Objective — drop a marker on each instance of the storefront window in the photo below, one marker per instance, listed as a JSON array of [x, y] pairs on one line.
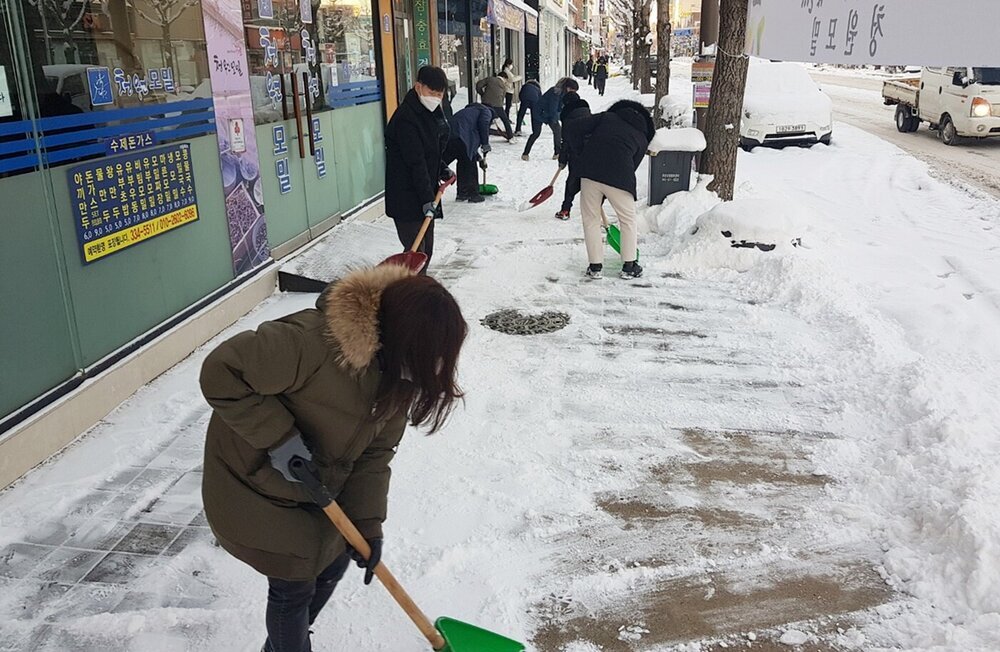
[[90, 55], [322, 44], [452, 18]]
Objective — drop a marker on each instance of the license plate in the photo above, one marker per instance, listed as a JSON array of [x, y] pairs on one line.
[[784, 129]]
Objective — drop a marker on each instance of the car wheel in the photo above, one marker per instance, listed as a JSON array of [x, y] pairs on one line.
[[827, 139], [904, 120], [949, 135], [747, 144]]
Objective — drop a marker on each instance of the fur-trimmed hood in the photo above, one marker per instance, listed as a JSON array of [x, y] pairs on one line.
[[636, 115], [351, 307]]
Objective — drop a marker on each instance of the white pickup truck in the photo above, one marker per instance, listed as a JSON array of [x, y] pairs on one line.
[[957, 102]]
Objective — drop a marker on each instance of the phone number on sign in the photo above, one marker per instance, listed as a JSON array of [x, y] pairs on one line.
[[120, 240]]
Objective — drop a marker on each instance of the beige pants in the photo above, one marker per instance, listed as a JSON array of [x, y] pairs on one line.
[[592, 195]]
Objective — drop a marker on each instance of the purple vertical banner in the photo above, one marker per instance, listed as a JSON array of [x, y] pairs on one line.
[[241, 181]]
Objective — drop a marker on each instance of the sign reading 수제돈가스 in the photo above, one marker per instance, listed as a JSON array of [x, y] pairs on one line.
[[884, 32], [121, 201]]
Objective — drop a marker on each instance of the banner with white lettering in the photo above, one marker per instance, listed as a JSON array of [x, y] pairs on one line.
[[883, 32]]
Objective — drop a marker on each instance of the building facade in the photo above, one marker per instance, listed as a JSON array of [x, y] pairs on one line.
[[154, 156]]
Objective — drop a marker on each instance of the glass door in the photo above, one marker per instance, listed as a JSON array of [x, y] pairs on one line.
[[406, 54], [299, 64], [38, 339]]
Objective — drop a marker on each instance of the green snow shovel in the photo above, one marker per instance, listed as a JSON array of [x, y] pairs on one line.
[[447, 634], [614, 235], [487, 188]]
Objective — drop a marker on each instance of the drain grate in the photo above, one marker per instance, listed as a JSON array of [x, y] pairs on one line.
[[513, 322]]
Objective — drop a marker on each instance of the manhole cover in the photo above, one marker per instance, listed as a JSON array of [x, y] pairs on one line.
[[513, 322]]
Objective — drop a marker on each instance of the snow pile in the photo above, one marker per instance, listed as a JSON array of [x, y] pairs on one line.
[[675, 110], [678, 140], [737, 235]]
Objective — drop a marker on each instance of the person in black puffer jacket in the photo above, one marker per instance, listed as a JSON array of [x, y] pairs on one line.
[[615, 142], [574, 107], [415, 140]]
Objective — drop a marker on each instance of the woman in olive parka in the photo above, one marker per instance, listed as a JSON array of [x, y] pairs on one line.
[[338, 383]]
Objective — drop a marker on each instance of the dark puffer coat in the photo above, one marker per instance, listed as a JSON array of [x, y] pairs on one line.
[[415, 140], [317, 371], [616, 141], [574, 108]]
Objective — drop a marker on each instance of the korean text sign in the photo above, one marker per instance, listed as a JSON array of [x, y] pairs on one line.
[[884, 32], [121, 201]]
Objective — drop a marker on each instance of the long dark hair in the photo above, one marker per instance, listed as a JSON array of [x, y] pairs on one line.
[[421, 330]]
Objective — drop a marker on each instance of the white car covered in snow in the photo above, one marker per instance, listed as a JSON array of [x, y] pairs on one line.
[[783, 105]]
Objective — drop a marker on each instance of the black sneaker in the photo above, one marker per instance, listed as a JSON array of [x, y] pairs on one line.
[[461, 197], [631, 270], [475, 199], [595, 271]]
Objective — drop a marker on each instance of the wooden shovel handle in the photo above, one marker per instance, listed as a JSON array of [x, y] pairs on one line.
[[555, 177], [427, 220], [399, 594]]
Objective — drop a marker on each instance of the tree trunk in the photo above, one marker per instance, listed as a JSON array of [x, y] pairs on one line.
[[168, 48], [636, 68], [663, 34], [726, 104], [645, 79]]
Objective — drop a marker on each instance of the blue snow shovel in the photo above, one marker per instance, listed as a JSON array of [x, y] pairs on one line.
[[447, 634]]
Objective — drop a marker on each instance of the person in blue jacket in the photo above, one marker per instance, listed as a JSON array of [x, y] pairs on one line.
[[548, 108], [469, 144]]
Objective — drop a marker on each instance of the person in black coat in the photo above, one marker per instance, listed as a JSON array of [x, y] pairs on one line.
[[613, 143], [601, 74], [574, 107], [415, 140], [469, 144], [591, 67], [548, 108]]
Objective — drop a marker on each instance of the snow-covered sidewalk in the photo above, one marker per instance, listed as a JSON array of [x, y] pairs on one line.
[[743, 449]]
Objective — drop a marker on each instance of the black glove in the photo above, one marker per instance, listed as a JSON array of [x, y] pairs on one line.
[[375, 543], [482, 164], [447, 175], [282, 454]]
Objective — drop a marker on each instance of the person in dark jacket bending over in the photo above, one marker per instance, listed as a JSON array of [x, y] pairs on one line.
[[470, 135], [616, 141], [549, 107], [573, 108], [415, 139], [336, 384], [493, 90]]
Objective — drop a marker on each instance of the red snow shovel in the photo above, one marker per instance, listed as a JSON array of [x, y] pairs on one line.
[[543, 194], [416, 260], [447, 634]]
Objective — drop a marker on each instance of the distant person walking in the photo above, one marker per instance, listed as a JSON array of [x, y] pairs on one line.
[[615, 142], [511, 80], [601, 74], [591, 68]]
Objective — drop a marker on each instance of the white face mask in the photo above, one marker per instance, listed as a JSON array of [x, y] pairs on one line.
[[430, 102]]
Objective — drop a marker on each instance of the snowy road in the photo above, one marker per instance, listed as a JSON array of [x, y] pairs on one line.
[[858, 101]]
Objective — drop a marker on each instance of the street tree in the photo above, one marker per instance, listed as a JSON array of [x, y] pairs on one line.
[[60, 17], [726, 104], [664, 31], [162, 13], [641, 77]]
